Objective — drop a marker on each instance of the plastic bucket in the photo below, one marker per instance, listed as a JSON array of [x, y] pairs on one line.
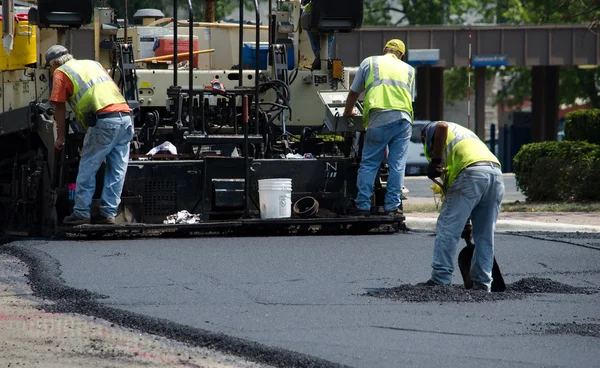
[[275, 198]]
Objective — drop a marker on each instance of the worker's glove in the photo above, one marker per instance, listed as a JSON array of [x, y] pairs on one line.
[[435, 169]]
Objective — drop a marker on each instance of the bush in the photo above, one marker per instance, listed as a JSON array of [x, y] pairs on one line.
[[564, 171], [583, 125]]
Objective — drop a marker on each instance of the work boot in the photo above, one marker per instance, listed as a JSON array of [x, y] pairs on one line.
[[396, 213], [481, 287], [355, 211], [103, 220], [75, 220], [429, 282]]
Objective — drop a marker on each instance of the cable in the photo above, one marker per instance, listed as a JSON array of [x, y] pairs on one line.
[[292, 79]]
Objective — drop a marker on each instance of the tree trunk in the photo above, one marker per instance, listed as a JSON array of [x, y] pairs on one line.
[[209, 10]]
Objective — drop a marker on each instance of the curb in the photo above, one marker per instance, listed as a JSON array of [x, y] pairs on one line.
[[509, 226]]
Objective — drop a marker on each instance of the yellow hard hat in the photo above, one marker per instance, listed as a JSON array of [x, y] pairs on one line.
[[395, 45]]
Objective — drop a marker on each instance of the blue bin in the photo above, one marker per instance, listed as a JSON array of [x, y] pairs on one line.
[[249, 55]]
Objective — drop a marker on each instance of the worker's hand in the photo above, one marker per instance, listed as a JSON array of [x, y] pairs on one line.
[[435, 169], [59, 143], [349, 114]]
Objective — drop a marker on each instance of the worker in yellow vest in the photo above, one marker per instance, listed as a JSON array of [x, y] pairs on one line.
[[472, 179], [389, 85], [102, 110]]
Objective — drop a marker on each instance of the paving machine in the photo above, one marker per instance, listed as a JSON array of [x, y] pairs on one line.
[[207, 133]]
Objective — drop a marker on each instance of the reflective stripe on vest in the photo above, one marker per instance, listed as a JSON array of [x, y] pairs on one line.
[[378, 82], [459, 135], [455, 158], [388, 85], [83, 86], [93, 89]]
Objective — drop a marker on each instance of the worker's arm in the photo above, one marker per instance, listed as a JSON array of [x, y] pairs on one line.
[[350, 102], [358, 86], [435, 168], [60, 112], [61, 90], [439, 141]]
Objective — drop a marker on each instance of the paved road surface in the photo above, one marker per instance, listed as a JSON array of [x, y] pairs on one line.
[[419, 187], [307, 295]]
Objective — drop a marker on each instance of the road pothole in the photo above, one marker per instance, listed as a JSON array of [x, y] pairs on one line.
[[458, 294]]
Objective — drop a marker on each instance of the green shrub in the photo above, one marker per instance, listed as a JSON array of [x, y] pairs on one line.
[[583, 125], [567, 170]]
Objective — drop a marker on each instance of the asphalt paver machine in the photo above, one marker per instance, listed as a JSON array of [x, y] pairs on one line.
[[207, 135]]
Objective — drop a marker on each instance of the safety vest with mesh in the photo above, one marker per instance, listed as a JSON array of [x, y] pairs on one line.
[[389, 85], [463, 148], [93, 89]]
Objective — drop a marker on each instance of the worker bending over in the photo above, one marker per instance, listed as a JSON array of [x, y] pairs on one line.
[[102, 110], [474, 188], [389, 85]]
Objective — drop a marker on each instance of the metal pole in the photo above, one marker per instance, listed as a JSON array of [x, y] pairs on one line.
[[191, 70], [256, 81], [175, 43], [126, 21], [245, 109], [241, 45], [469, 83]]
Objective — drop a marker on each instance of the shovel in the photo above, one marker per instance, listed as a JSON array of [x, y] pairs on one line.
[[464, 263], [466, 255]]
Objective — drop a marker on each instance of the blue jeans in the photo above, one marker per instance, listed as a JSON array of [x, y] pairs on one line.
[[395, 136], [109, 140], [476, 192], [315, 41]]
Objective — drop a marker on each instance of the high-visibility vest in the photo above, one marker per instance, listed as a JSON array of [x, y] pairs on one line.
[[93, 89], [389, 85], [462, 148]]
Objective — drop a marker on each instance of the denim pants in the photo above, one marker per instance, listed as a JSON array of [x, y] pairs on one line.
[[315, 41], [476, 192], [108, 140], [395, 136]]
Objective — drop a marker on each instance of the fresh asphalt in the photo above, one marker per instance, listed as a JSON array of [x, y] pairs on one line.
[[419, 186], [299, 301]]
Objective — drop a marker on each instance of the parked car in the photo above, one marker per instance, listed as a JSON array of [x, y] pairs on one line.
[[416, 163]]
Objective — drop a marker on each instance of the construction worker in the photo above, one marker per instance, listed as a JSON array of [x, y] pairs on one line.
[[314, 37], [387, 115], [102, 110], [472, 180]]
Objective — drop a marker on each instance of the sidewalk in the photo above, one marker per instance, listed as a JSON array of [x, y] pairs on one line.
[[523, 221]]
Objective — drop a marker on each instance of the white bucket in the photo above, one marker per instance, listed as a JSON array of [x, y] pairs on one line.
[[275, 197]]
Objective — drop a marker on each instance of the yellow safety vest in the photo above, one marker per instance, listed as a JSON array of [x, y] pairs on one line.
[[389, 85], [93, 89], [463, 148]]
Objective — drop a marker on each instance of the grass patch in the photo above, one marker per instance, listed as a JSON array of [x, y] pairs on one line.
[[551, 207], [517, 207], [420, 208]]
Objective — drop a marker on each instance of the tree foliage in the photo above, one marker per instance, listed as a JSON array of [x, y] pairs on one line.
[[575, 83], [222, 7]]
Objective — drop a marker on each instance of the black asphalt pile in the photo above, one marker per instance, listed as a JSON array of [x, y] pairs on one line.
[[440, 294], [547, 286], [458, 294], [581, 329]]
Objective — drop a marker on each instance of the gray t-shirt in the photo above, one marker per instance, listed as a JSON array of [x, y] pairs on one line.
[[379, 117]]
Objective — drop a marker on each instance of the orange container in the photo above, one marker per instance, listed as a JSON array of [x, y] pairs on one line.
[[165, 47]]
